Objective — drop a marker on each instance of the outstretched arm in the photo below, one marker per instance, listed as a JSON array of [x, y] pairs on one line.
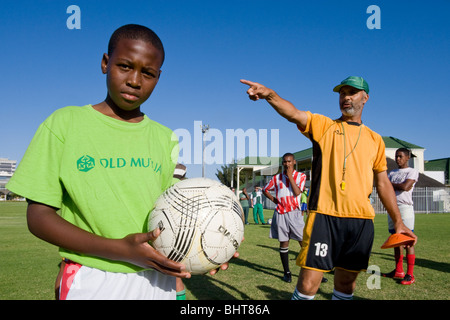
[[286, 109]]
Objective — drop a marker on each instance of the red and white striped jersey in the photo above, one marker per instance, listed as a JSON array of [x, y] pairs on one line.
[[283, 191]]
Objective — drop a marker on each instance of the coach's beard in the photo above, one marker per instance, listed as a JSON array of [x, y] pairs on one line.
[[349, 110]]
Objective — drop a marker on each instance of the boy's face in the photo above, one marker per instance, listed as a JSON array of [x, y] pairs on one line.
[[401, 159], [288, 163], [133, 71]]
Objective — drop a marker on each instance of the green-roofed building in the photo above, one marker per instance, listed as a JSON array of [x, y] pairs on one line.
[[258, 170], [439, 166], [254, 169]]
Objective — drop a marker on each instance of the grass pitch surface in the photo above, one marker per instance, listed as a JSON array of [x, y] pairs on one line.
[[28, 265]]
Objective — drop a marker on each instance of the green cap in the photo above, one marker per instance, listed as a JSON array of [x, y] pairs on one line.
[[356, 82]]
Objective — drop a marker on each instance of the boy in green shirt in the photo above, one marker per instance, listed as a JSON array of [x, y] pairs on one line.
[[104, 166]]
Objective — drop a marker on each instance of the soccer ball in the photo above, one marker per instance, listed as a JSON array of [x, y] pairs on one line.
[[201, 223]]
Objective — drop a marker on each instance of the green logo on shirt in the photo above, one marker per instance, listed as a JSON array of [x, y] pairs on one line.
[[85, 163]]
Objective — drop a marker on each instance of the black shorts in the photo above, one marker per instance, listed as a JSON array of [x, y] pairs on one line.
[[332, 242]]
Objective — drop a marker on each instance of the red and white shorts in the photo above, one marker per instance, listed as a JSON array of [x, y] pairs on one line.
[[79, 282]]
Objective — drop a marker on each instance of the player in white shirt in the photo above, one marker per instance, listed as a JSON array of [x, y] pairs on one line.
[[403, 180]]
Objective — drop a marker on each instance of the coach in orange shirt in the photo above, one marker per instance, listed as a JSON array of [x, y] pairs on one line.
[[347, 156]]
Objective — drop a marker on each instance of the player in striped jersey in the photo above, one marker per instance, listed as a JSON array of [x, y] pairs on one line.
[[287, 221]]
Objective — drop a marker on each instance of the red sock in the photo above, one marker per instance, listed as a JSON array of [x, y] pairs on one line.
[[399, 263], [410, 259]]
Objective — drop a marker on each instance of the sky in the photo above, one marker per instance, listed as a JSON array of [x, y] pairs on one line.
[[51, 58]]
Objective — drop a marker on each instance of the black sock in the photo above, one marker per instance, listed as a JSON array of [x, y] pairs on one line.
[[284, 255]]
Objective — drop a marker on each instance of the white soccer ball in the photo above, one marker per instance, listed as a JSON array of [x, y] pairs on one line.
[[201, 222]]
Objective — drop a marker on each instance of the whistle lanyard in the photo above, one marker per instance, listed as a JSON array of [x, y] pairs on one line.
[[346, 156]]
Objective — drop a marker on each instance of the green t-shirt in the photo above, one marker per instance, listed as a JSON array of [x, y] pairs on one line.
[[304, 197], [104, 174], [243, 200]]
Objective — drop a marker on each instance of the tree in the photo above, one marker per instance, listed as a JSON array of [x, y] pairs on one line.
[[224, 175]]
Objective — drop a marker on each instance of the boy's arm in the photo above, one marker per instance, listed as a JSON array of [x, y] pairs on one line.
[[295, 188], [46, 224], [266, 192], [283, 107], [387, 196], [252, 200], [271, 197], [404, 186]]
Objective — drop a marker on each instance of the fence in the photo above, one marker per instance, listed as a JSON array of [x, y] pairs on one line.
[[426, 200]]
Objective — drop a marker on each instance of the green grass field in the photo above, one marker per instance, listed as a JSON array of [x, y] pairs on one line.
[[28, 266]]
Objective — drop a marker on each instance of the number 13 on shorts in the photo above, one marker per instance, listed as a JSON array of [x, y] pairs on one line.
[[321, 249]]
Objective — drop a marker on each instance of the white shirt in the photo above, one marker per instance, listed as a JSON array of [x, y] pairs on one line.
[[400, 176]]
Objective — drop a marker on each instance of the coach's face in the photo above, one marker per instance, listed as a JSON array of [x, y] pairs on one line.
[[351, 101]]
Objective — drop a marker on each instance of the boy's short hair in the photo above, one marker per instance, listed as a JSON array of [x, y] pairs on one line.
[[288, 154], [135, 32], [406, 151]]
